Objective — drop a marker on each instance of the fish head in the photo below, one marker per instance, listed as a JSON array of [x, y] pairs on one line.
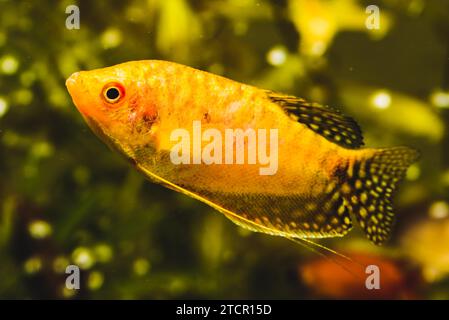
[[115, 103]]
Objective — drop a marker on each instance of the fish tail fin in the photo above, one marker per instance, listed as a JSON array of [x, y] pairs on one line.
[[371, 182]]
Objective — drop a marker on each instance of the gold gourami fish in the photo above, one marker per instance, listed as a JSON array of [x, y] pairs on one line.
[[323, 177]]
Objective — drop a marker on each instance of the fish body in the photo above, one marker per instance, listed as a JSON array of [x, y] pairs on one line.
[[322, 180]]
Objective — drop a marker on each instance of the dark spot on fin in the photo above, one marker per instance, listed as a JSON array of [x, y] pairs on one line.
[[370, 188], [327, 122]]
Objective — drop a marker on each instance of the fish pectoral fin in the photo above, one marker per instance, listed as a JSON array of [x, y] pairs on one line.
[[326, 121]]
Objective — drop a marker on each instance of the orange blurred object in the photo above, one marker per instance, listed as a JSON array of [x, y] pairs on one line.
[[347, 280]]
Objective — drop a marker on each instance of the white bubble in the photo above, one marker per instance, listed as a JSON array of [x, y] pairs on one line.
[[9, 64], [277, 56], [111, 38], [39, 229], [381, 99], [440, 99], [83, 257], [439, 210]]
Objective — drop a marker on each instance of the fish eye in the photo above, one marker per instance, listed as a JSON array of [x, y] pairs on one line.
[[113, 93]]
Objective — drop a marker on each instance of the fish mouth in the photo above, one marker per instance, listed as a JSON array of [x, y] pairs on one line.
[[71, 81], [74, 85]]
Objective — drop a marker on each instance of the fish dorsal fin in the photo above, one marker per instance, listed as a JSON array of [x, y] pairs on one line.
[[327, 122]]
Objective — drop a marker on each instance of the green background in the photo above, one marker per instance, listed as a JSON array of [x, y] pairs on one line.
[[65, 198]]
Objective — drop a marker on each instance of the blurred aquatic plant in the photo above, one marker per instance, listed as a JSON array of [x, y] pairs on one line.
[[319, 21], [177, 29], [399, 113], [426, 243]]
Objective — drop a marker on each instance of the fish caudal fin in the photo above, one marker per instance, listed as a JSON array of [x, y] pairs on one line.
[[371, 184]]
